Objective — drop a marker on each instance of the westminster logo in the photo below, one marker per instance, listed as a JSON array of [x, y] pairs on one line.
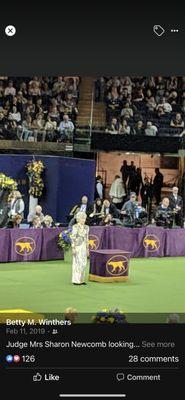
[[94, 242], [117, 265], [151, 243], [25, 246]]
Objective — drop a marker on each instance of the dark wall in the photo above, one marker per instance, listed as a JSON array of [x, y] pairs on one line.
[[66, 180], [150, 144]]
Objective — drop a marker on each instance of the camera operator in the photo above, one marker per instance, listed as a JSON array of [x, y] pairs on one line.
[[128, 211], [141, 216], [176, 204], [163, 214]]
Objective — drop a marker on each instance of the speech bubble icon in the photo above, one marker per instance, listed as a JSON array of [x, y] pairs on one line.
[[120, 376]]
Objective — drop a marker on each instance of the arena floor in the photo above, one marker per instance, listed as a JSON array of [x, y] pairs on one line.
[[154, 286]]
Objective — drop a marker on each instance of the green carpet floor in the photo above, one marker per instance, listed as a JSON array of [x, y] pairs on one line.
[[154, 286]]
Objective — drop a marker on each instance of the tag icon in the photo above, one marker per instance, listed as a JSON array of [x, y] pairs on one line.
[[158, 30]]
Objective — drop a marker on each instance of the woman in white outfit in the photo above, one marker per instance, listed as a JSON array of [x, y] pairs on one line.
[[80, 248]]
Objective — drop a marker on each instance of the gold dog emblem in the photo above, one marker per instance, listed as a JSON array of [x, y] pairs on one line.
[[117, 265], [25, 246], [151, 243], [93, 242]]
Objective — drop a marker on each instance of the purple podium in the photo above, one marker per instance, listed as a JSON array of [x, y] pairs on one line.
[[109, 265]]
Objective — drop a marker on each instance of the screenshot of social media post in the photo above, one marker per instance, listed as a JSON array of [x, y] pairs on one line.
[[92, 231], [92, 203]]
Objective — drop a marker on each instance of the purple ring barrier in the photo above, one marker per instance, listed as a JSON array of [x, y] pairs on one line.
[[140, 242], [29, 245], [41, 244], [109, 265]]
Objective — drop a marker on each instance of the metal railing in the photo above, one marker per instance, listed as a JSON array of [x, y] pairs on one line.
[[91, 114]]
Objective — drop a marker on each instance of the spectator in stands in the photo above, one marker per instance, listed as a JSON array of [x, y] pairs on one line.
[[66, 129], [38, 126], [172, 83], [151, 104], [34, 89], [151, 130], [2, 125], [10, 90], [50, 128], [114, 126], [125, 128], [173, 97], [139, 129], [127, 111], [165, 105], [15, 115], [138, 96], [37, 213], [160, 112], [177, 122], [27, 130], [39, 109]]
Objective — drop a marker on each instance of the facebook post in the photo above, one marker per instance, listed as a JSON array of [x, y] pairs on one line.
[[92, 204]]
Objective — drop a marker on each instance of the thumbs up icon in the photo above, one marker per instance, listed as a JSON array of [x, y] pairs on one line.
[[37, 377]]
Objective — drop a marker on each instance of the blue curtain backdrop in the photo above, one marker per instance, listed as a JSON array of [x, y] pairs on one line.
[[66, 180]]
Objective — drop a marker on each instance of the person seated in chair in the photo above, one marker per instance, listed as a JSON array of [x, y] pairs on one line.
[[37, 213], [163, 214], [83, 206], [95, 216], [48, 222], [36, 222], [109, 208], [15, 221]]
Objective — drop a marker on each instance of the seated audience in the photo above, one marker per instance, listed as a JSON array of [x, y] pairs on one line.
[[95, 216], [151, 130], [48, 222], [114, 127], [125, 128], [177, 122], [66, 129], [82, 206], [163, 214], [33, 108], [109, 209], [36, 222], [37, 213]]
